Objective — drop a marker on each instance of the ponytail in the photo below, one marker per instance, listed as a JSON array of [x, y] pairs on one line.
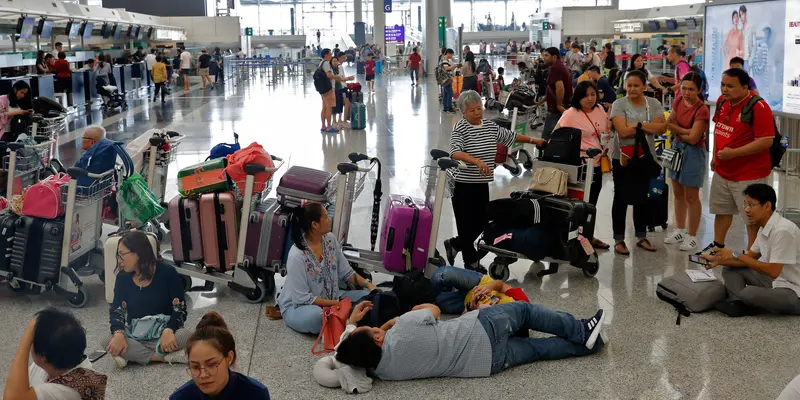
[[302, 219]]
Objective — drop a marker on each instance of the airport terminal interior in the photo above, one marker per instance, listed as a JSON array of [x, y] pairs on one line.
[[268, 96]]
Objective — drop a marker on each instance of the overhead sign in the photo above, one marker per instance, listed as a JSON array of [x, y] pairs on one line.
[[248, 31], [387, 6], [394, 34], [628, 27]]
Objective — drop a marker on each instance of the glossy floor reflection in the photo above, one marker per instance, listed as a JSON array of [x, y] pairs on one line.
[[708, 356]]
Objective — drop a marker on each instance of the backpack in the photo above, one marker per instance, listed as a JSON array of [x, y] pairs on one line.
[[385, 306], [101, 157], [321, 81], [687, 296], [776, 151], [483, 66], [222, 150], [443, 77], [413, 289]]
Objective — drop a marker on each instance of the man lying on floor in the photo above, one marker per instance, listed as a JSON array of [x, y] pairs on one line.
[[460, 289], [417, 345]]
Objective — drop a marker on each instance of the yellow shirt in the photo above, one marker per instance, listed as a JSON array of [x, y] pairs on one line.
[[584, 77], [159, 72], [495, 298]]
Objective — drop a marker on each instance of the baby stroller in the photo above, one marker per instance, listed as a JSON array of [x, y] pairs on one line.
[[112, 98]]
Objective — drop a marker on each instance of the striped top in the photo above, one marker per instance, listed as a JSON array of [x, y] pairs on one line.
[[479, 141]]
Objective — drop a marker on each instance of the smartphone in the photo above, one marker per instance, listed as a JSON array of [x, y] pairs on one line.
[[96, 355], [698, 260]]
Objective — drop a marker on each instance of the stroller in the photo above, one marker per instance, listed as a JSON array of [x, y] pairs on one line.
[[112, 98]]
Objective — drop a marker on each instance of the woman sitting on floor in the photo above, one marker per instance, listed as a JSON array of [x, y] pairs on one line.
[[212, 351], [314, 270], [149, 310]]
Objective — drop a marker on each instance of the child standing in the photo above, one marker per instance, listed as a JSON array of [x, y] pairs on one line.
[[369, 68], [159, 77]]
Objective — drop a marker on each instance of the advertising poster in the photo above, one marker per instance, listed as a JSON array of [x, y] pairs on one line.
[[756, 32], [791, 74]]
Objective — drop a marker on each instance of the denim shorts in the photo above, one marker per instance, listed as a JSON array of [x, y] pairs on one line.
[[695, 163]]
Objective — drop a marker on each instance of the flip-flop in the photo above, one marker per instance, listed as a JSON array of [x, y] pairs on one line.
[[641, 246], [624, 246]]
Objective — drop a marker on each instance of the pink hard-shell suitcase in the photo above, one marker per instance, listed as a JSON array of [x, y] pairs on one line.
[[185, 233], [267, 229], [218, 220], [407, 223]]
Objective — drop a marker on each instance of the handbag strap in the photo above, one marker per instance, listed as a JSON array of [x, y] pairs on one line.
[[326, 313], [552, 175], [596, 131]]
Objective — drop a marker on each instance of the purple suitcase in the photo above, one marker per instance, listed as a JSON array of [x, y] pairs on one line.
[[267, 229], [301, 183], [406, 221], [185, 233]]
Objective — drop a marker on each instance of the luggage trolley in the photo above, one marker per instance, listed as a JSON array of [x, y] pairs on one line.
[[255, 283], [49, 126], [157, 161], [26, 164], [437, 183], [518, 157], [580, 180], [83, 206]]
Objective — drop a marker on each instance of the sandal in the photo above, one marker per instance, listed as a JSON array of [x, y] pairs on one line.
[[273, 313], [647, 247], [599, 244], [621, 248]]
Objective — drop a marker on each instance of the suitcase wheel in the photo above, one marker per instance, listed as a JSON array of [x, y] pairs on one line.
[[258, 294], [78, 300], [590, 269], [499, 271]]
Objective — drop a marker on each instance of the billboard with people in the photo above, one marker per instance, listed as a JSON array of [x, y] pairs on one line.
[[754, 32]]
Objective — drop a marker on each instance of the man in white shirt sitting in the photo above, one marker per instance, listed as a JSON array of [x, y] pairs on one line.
[[60, 370], [767, 277]]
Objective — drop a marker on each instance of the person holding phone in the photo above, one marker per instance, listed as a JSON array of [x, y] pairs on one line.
[[15, 109]]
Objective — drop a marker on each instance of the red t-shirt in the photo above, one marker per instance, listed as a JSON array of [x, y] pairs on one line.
[[369, 67], [62, 68], [558, 72], [731, 132], [413, 60], [685, 116]]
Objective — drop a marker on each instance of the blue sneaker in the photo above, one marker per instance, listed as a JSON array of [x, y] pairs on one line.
[[332, 130], [592, 328]]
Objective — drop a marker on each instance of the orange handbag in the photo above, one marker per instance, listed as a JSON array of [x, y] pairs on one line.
[[334, 320], [458, 83]]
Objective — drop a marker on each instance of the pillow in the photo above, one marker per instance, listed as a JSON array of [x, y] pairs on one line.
[[325, 372]]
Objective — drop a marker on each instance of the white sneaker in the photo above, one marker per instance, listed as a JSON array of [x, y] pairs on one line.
[[176, 357], [120, 362], [676, 236], [689, 243]]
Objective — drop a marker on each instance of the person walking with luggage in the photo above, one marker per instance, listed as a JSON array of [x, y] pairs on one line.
[[413, 65], [315, 269], [159, 78], [469, 71], [149, 308], [632, 115], [688, 123], [559, 89], [477, 344], [203, 63], [447, 89], [766, 277], [474, 141], [586, 114], [743, 134], [212, 353]]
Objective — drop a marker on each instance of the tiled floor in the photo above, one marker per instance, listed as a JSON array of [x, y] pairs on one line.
[[708, 356]]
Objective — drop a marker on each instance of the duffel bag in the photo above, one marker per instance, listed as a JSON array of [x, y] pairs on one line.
[[43, 199]]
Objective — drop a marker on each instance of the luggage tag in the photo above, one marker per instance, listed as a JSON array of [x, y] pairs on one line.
[[502, 237], [587, 246]]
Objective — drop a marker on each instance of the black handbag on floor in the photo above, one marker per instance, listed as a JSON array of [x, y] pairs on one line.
[[564, 147]]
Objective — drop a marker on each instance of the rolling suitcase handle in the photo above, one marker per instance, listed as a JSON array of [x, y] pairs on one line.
[[251, 170]]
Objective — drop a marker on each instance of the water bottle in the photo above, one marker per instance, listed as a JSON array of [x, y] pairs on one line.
[[785, 141]]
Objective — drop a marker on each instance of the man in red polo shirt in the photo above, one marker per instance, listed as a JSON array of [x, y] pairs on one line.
[[741, 154], [559, 90]]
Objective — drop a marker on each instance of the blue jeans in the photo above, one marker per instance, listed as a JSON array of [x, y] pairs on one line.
[[447, 98], [451, 285], [502, 321], [308, 318], [414, 75]]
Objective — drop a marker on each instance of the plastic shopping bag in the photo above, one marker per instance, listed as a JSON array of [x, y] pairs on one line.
[[136, 201]]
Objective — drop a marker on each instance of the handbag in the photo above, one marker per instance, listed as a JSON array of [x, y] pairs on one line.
[[605, 164], [657, 186], [334, 320], [43, 199], [672, 159], [550, 180], [137, 202]]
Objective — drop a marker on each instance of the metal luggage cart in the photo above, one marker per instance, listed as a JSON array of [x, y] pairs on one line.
[[50, 126], [254, 283], [518, 157], [792, 214], [26, 164], [157, 161], [437, 184], [579, 185], [81, 250]]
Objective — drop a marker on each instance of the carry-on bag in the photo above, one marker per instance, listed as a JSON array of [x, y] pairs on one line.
[[36, 253], [356, 97], [658, 211], [549, 180], [110, 250], [206, 177], [43, 199], [358, 116], [564, 147], [334, 322], [185, 232], [514, 213], [267, 229], [687, 296], [564, 214], [302, 183], [218, 222], [535, 242], [407, 227], [385, 307], [8, 225]]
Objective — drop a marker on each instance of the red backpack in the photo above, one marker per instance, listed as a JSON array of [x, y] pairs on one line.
[[252, 154]]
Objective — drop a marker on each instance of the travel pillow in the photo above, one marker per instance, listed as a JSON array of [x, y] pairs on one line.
[[325, 372]]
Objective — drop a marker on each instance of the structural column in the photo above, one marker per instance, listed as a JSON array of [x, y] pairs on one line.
[[359, 25], [379, 24], [430, 35]]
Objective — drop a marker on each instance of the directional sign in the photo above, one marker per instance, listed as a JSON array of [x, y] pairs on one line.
[[394, 34], [387, 6]]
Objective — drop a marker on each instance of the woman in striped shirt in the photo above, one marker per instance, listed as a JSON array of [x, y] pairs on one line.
[[474, 141]]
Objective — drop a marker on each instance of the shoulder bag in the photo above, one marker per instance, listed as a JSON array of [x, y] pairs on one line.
[[550, 180], [673, 158], [334, 320]]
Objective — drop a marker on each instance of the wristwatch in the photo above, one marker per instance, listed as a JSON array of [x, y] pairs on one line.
[[639, 125], [736, 255]]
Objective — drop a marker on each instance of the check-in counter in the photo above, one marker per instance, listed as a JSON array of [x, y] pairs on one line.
[[117, 72], [78, 95], [90, 85], [127, 79], [43, 86], [139, 70]]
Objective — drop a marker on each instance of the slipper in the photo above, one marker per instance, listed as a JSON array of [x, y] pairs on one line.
[[599, 244], [624, 252], [640, 244]]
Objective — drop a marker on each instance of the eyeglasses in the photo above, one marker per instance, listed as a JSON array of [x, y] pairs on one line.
[[749, 206], [120, 255], [211, 369]]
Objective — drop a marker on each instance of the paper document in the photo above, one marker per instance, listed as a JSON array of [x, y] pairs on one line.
[[700, 275], [351, 253]]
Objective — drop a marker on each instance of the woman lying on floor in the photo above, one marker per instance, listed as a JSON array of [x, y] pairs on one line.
[[315, 269]]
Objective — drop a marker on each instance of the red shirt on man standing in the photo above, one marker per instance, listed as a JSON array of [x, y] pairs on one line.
[[558, 72], [731, 132]]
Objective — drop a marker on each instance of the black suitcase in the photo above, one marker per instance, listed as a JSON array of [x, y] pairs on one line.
[[566, 215], [36, 253], [564, 147], [7, 228], [658, 214]]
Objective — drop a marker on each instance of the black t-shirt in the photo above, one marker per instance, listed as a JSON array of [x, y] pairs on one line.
[[610, 60], [204, 61]]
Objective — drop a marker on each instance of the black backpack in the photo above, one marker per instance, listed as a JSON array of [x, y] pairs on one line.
[[413, 289], [564, 147], [321, 81], [385, 306], [776, 151]]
